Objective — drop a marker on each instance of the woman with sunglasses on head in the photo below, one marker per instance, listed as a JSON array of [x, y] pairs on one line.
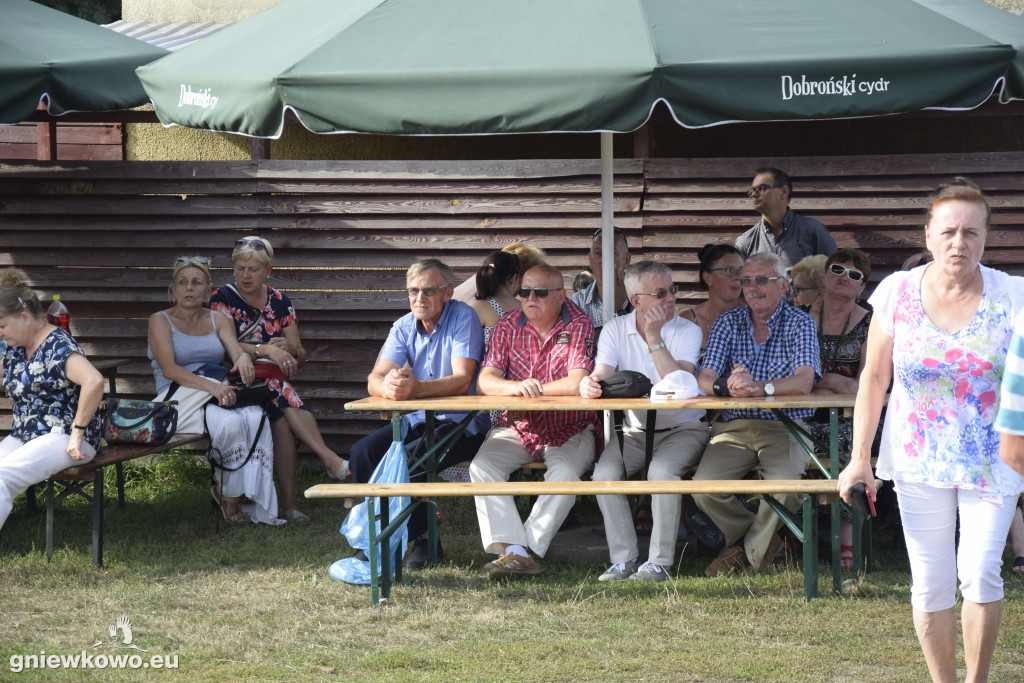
[[54, 392], [721, 266], [187, 347], [497, 284], [940, 333], [265, 323]]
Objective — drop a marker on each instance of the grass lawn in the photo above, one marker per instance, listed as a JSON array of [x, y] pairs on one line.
[[256, 603]]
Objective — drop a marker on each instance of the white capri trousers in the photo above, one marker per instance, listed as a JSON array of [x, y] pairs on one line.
[[501, 454], [24, 464], [929, 525]]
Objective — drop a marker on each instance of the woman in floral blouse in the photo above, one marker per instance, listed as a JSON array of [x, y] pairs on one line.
[[266, 326], [55, 392], [940, 332]]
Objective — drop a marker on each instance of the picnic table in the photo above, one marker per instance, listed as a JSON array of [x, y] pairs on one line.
[[805, 531]]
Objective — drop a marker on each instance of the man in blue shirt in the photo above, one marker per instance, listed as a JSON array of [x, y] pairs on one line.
[[768, 348], [434, 350]]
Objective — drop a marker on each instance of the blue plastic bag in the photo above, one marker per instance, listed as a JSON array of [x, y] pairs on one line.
[[393, 469]]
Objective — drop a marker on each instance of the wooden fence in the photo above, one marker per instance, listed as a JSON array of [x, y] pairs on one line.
[[103, 235]]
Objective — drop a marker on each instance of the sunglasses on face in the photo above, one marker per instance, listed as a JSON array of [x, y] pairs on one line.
[[731, 271], [660, 293], [760, 280], [425, 291], [851, 273], [758, 190], [256, 245], [541, 292]]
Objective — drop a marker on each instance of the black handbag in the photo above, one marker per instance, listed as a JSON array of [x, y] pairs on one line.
[[625, 384], [141, 422], [256, 394]]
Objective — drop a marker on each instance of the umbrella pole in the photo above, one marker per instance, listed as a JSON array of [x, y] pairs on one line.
[[607, 223]]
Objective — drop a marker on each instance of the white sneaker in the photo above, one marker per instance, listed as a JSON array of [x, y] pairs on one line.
[[649, 571], [620, 571]]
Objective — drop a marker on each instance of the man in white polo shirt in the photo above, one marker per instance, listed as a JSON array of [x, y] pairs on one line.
[[655, 341]]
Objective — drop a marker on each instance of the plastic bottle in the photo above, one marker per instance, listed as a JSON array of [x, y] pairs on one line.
[[57, 314]]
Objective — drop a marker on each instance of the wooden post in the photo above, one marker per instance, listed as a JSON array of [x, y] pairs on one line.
[[46, 141]]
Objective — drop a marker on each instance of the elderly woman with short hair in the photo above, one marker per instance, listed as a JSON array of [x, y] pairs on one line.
[[940, 333], [266, 326]]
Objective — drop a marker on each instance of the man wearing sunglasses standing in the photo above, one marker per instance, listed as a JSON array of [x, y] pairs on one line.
[[655, 341], [431, 351], [771, 349], [544, 349], [790, 236]]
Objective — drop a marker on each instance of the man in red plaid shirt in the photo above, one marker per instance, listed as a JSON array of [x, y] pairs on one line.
[[544, 349]]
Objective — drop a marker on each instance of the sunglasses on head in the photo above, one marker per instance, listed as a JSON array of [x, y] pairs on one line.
[[660, 293], [541, 292], [851, 273], [728, 270], [760, 280], [193, 260], [255, 244]]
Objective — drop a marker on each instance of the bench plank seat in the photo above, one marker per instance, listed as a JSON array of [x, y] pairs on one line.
[[75, 479]]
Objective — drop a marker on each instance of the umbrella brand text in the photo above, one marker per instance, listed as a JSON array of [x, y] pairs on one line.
[[199, 98], [846, 86]]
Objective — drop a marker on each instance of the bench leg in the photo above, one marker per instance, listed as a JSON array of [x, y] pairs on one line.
[[97, 519], [120, 485], [49, 520], [371, 552], [810, 547], [837, 564], [30, 498]]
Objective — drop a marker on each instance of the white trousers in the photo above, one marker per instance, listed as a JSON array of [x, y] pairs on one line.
[[501, 454], [24, 464], [929, 525], [675, 451]]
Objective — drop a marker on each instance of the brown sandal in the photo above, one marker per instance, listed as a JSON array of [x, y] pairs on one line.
[[237, 517]]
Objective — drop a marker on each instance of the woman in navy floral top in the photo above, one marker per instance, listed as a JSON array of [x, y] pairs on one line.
[[55, 392], [265, 322]]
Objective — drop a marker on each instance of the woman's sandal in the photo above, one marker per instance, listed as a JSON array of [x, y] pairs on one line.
[[846, 556], [295, 516], [237, 517], [343, 472], [1018, 565]]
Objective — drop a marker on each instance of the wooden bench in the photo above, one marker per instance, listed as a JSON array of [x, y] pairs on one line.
[[806, 530], [75, 479]]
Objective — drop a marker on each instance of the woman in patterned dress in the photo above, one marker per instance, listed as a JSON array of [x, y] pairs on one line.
[[54, 390], [266, 325], [941, 332]]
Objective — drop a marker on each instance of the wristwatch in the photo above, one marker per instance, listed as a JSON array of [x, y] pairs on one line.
[[256, 351], [769, 389], [654, 348]]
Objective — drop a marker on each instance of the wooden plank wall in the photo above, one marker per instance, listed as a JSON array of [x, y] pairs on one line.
[[80, 141], [104, 235]]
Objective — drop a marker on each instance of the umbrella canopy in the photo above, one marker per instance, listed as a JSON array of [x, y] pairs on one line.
[[72, 63], [494, 66]]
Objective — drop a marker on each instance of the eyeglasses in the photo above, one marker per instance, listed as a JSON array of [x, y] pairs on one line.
[[254, 244], [618, 232], [541, 292], [760, 280], [193, 260], [797, 291], [660, 293], [851, 273], [761, 189], [731, 271], [425, 291]]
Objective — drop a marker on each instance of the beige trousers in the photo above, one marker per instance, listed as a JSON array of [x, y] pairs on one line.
[[735, 448]]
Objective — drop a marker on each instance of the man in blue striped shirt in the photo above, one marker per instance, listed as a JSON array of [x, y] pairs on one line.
[[1010, 420], [766, 348]]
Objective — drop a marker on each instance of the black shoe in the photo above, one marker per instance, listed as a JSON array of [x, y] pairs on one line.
[[361, 556], [416, 556]]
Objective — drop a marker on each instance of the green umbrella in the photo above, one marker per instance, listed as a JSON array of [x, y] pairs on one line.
[[489, 66], [72, 63]]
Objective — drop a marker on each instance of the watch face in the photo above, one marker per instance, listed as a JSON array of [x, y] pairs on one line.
[[769, 388]]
